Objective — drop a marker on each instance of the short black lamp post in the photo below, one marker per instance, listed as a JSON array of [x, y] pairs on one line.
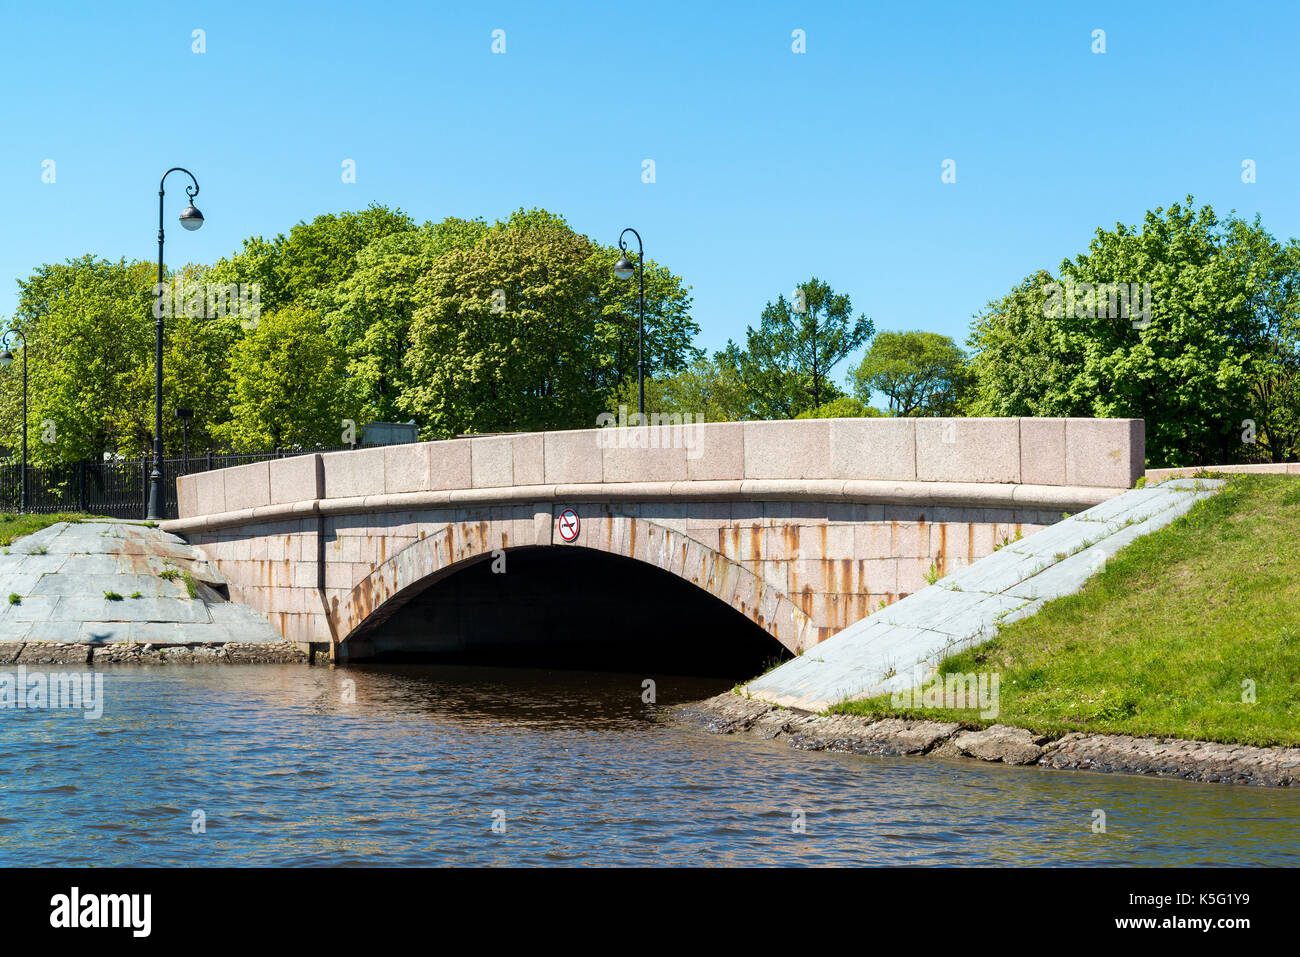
[[6, 359], [185, 413], [623, 270], [191, 219]]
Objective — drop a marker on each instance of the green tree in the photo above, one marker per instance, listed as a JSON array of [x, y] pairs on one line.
[[1270, 273], [921, 373], [287, 384], [371, 310], [787, 361], [704, 388], [89, 325], [1186, 357], [89, 328], [525, 330], [845, 407], [313, 258]]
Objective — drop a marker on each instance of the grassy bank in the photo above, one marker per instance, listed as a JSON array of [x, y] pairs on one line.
[[1168, 638], [13, 526]]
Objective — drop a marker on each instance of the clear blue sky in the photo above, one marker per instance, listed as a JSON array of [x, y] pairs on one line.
[[771, 166]]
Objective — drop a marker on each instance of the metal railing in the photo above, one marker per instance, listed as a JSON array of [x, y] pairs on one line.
[[118, 488]]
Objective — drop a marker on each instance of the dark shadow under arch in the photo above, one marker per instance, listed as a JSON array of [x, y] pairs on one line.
[[571, 608]]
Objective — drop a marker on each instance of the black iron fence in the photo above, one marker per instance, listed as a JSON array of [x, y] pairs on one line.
[[118, 487]]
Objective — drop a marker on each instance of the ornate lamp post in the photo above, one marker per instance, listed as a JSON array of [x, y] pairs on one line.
[[191, 219], [6, 359], [623, 270]]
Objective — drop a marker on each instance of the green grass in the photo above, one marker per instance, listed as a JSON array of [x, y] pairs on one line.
[[1161, 642], [15, 598], [112, 596], [13, 526]]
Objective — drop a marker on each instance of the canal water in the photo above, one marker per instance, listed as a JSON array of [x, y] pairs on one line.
[[415, 764]]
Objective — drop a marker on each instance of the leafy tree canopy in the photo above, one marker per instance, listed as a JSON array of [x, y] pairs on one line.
[[920, 373], [314, 256], [845, 407], [1211, 310], [787, 361], [528, 328], [287, 385]]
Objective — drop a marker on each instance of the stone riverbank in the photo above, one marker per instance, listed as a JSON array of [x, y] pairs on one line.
[[127, 653], [731, 713]]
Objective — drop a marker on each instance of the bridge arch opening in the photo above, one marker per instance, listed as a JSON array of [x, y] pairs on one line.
[[568, 608]]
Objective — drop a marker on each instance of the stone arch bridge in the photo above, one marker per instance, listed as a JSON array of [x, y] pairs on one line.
[[803, 527]]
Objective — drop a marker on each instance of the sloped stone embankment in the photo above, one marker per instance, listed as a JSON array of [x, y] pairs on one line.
[[111, 592]]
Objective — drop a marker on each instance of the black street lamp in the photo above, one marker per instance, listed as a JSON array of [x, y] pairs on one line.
[[6, 359], [623, 270], [191, 219]]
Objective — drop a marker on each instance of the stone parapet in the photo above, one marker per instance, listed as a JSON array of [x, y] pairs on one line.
[[1034, 453]]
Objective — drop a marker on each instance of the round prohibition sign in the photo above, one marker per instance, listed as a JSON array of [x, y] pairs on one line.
[[568, 524]]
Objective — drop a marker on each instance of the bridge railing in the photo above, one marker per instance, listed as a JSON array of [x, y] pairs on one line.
[[116, 487], [836, 457]]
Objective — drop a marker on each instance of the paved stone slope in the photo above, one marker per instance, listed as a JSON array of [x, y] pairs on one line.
[[62, 574], [901, 646]]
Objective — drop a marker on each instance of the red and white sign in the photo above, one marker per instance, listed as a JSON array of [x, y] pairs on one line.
[[568, 525]]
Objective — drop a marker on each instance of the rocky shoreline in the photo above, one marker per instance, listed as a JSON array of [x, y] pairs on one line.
[[130, 653], [731, 713]]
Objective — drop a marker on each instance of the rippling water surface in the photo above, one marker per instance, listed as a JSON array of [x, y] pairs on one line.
[[288, 771]]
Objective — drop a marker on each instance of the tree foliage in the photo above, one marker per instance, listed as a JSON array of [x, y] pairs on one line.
[[1217, 346], [787, 361], [313, 258], [89, 329], [845, 407], [527, 328], [706, 389], [287, 388], [920, 373]]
